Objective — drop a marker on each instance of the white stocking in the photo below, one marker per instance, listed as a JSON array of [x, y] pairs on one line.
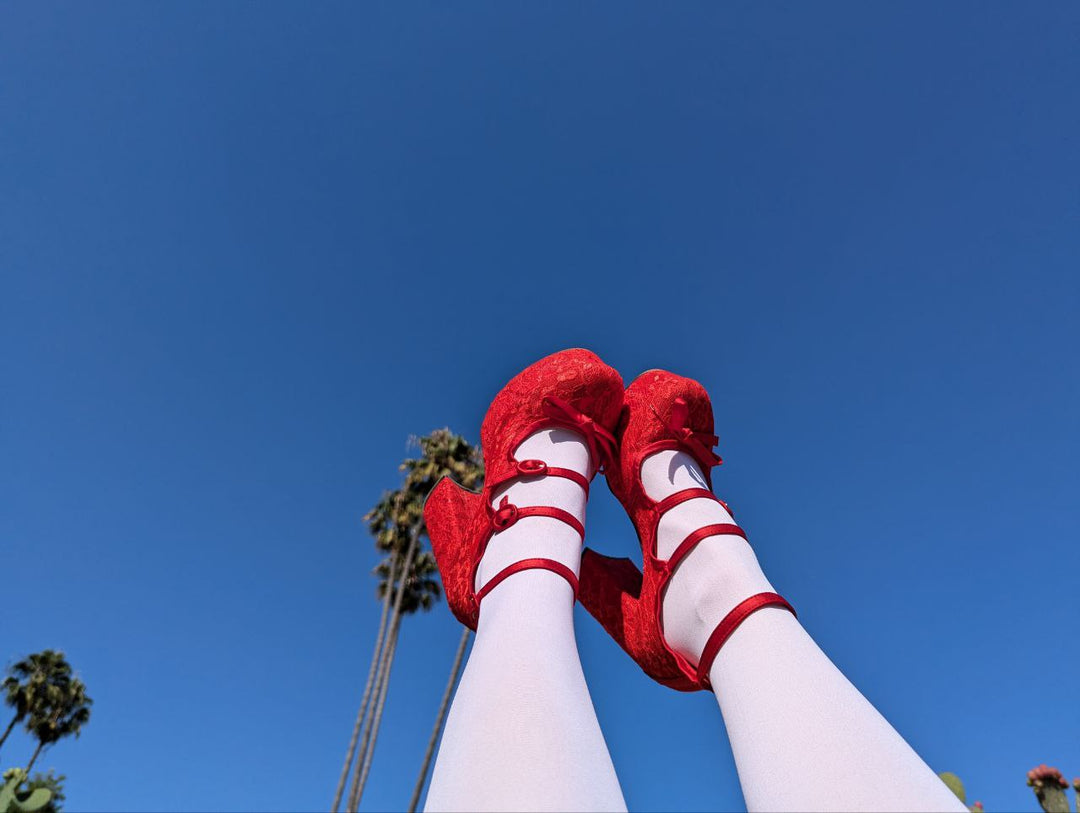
[[522, 733], [803, 737]]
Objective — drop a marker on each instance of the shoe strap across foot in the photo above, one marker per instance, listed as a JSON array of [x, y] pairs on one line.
[[603, 450], [603, 446], [699, 444], [735, 617], [507, 515], [533, 468]]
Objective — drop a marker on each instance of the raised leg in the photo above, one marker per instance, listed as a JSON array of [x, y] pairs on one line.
[[522, 733], [803, 736]]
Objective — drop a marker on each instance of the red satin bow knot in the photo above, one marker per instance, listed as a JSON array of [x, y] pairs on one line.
[[602, 444], [700, 442]]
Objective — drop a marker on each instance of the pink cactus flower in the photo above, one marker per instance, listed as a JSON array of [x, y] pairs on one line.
[[1045, 775]]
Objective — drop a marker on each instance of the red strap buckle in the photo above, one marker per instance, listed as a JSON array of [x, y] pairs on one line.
[[532, 468], [505, 516]]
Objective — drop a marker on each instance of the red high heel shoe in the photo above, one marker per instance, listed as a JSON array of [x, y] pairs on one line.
[[572, 390], [661, 409]]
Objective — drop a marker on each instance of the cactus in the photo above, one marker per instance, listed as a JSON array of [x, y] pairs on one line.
[[1048, 783], [954, 784], [1049, 786], [952, 781], [10, 802]]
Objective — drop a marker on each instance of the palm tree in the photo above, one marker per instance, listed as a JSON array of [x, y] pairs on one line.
[[419, 593], [388, 523], [63, 712], [17, 694], [27, 680], [415, 590], [467, 468], [407, 572]]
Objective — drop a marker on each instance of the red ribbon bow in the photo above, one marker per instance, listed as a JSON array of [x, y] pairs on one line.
[[700, 443], [602, 444]]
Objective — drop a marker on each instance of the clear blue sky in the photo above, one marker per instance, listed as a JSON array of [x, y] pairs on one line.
[[247, 249]]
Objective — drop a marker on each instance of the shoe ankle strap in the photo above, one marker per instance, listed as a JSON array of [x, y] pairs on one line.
[[729, 624], [529, 564]]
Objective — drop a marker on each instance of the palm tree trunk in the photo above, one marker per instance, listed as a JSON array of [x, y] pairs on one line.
[[376, 690], [377, 719], [362, 713], [440, 719], [33, 759], [367, 739], [371, 732], [7, 731]]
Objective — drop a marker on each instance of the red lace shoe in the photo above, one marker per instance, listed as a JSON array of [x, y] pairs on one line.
[[572, 390], [662, 411]]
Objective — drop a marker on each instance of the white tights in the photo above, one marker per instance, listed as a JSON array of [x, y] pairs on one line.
[[522, 733], [803, 737]]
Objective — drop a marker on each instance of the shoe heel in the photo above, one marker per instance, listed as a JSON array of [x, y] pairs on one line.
[[611, 591], [450, 515]]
